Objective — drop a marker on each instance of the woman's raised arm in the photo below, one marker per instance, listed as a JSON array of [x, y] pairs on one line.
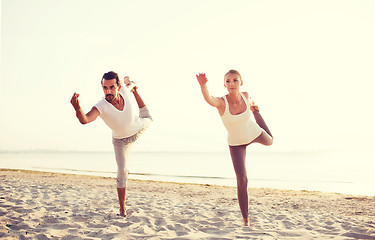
[[213, 101]]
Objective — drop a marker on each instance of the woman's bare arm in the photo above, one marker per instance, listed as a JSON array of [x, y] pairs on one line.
[[213, 101]]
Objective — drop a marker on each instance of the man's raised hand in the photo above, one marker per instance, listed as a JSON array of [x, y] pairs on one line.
[[74, 101]]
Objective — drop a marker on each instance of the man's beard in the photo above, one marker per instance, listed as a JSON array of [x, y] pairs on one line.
[[109, 97]]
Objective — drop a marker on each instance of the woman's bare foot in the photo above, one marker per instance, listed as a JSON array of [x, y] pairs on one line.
[[253, 106], [246, 222]]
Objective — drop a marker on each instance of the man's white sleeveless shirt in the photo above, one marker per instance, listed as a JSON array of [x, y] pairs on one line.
[[123, 123]]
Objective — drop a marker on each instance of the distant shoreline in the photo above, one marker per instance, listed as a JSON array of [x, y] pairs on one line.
[[314, 171]]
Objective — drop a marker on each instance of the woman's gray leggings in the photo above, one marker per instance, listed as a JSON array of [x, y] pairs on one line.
[[238, 154]]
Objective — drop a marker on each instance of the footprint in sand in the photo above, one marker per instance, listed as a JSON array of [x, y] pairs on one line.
[[96, 225], [51, 219], [211, 230], [160, 222], [134, 219], [121, 224], [161, 229], [288, 224], [218, 222], [280, 217], [358, 236]]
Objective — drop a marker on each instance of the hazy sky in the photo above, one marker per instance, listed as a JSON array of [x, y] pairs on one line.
[[309, 65]]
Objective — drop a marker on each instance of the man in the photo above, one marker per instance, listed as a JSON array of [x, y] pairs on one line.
[[126, 121]]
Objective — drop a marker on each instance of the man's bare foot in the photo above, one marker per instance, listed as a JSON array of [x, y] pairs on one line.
[[122, 213], [126, 80], [130, 84]]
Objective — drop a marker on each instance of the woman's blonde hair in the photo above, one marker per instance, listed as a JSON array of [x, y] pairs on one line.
[[233, 71]]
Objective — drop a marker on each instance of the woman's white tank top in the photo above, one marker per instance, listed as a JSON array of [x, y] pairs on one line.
[[242, 129]]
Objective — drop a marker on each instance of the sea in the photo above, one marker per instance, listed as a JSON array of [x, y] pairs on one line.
[[348, 172]]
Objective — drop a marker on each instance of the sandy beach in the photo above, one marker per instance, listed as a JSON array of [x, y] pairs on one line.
[[40, 205]]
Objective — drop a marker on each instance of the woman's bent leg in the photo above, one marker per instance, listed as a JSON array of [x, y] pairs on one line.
[[238, 154], [260, 121], [264, 139]]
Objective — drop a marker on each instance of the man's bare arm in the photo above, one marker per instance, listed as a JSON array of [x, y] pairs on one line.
[[82, 117]]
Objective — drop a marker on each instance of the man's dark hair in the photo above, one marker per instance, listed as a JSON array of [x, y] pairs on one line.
[[111, 75]]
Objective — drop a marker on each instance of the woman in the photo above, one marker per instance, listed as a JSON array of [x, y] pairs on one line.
[[234, 109]]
